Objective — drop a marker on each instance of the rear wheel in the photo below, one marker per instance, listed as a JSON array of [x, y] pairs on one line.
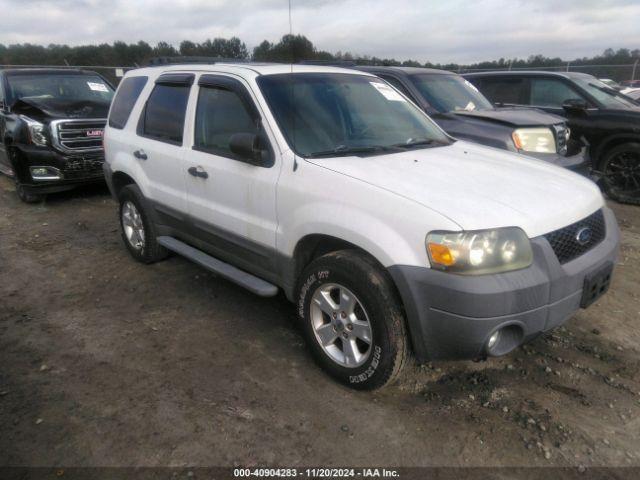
[[621, 173], [352, 319], [138, 231]]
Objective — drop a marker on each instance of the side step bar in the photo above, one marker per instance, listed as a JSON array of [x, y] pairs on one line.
[[231, 273]]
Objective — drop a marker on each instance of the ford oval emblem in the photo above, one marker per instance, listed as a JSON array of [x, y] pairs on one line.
[[584, 235]]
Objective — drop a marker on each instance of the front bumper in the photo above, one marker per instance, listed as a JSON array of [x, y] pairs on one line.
[[579, 163], [453, 316], [74, 170]]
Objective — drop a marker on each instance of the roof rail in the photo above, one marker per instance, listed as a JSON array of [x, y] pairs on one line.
[[193, 59], [329, 63]]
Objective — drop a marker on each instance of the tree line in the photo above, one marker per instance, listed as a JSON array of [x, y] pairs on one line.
[[289, 49]]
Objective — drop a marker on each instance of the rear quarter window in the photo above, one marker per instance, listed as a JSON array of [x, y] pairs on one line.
[[124, 101]]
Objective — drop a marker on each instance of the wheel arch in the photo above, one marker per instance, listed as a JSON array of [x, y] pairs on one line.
[[119, 180], [610, 142], [315, 245]]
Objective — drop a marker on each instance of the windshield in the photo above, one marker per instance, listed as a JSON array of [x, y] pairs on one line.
[[607, 96], [72, 87], [334, 114], [450, 93]]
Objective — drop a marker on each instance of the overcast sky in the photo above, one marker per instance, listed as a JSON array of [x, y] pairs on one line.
[[435, 30]]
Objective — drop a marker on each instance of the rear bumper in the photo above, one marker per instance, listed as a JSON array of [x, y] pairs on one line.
[[453, 316], [72, 170]]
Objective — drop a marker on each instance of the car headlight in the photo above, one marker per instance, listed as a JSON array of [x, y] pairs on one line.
[[539, 140], [37, 131], [480, 252]]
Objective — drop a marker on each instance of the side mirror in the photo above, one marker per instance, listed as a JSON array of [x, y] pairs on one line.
[[248, 147], [575, 105]]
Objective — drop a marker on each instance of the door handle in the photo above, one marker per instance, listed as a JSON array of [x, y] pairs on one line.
[[198, 172], [140, 155]]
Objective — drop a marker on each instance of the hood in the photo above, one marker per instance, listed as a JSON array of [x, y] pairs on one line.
[[479, 187], [42, 108], [516, 117]]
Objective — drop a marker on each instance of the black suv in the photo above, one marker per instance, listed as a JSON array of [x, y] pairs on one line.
[[606, 120], [51, 127], [463, 112]]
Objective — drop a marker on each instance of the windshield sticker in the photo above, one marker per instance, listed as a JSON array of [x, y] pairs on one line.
[[388, 92], [98, 87], [470, 107]]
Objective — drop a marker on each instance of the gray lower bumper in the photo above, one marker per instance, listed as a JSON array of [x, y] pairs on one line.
[[452, 316], [579, 163]]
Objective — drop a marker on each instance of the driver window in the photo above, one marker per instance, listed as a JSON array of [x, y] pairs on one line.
[[220, 114], [550, 92]]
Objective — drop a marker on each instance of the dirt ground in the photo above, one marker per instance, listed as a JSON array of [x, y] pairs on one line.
[[107, 362]]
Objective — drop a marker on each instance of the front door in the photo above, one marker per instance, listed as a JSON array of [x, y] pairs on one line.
[[232, 204]]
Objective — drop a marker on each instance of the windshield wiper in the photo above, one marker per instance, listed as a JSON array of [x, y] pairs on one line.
[[611, 91], [343, 150], [416, 143]]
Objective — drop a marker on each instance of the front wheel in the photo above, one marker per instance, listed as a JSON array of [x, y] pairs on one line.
[[352, 320], [23, 194], [621, 173]]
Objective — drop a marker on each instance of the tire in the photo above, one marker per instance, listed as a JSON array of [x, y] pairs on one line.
[[350, 278], [23, 195], [621, 173], [138, 231]]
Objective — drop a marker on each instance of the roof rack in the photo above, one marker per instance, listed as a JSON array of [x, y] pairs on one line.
[[329, 63], [183, 59]]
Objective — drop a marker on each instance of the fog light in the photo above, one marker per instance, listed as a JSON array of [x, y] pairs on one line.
[[45, 173], [493, 340]]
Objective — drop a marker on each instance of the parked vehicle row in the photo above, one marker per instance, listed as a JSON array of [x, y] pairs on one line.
[[463, 112], [390, 236], [607, 121]]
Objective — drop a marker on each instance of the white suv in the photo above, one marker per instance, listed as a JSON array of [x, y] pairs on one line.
[[389, 235]]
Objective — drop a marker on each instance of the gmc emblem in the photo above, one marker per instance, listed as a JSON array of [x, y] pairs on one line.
[[94, 133]]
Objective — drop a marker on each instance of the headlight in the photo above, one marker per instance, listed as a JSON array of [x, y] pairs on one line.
[[479, 252], [37, 131], [539, 140]]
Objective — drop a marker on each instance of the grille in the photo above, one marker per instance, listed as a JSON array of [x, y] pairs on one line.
[[78, 135], [83, 167], [562, 134], [565, 242]]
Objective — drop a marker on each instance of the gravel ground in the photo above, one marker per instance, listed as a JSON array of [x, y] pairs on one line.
[[107, 362]]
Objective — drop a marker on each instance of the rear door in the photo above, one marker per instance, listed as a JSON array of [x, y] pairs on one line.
[[232, 204], [159, 148]]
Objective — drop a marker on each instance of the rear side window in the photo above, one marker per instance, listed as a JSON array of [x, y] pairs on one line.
[[509, 91], [126, 98], [221, 113], [163, 116]]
